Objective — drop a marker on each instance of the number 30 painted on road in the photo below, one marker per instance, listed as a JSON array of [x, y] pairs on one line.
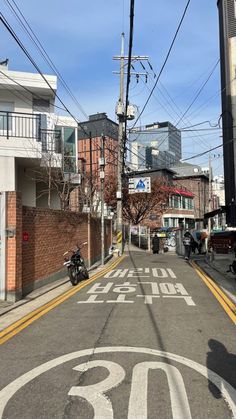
[[102, 406]]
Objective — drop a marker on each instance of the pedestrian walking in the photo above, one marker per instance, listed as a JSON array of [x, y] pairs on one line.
[[155, 244], [187, 242]]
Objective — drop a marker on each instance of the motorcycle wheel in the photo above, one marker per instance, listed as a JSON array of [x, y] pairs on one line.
[[85, 274], [74, 277]]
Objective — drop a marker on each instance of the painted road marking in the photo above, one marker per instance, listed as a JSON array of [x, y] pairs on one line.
[[141, 273], [226, 303], [25, 321], [95, 393], [139, 382], [138, 406], [148, 290]]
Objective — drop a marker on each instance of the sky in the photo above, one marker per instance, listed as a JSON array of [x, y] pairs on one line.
[[81, 38]]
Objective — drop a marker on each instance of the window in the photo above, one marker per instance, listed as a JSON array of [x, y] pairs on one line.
[[166, 222], [41, 105], [5, 107]]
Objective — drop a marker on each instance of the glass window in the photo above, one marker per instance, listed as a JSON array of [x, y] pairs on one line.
[[68, 136], [6, 107], [166, 222]]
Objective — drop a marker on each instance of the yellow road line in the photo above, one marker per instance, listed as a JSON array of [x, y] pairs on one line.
[[25, 321], [226, 303]]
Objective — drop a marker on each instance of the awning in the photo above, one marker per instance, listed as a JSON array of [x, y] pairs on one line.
[[212, 214], [177, 191]]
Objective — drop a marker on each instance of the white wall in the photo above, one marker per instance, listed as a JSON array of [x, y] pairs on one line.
[[26, 185], [42, 197], [20, 147], [7, 174]]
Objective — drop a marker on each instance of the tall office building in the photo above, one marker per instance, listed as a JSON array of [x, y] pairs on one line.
[[155, 146]]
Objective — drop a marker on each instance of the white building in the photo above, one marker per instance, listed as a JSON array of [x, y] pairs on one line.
[[29, 142], [218, 188]]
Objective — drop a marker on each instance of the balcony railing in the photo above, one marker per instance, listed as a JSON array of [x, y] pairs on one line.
[[20, 125], [29, 126]]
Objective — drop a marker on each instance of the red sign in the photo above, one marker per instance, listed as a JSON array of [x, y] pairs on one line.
[[25, 236]]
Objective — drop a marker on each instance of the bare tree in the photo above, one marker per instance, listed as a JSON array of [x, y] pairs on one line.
[[137, 207]]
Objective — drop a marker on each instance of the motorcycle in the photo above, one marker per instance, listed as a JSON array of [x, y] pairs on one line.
[[77, 270]]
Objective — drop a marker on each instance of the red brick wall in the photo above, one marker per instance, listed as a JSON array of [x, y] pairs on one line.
[[51, 233], [199, 186], [37, 239], [13, 246]]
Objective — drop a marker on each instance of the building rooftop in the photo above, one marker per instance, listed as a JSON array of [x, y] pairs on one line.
[[20, 79]]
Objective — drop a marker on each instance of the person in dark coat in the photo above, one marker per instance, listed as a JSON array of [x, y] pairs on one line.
[[155, 244], [187, 242]]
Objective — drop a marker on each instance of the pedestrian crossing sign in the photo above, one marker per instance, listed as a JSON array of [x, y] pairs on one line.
[[140, 185]]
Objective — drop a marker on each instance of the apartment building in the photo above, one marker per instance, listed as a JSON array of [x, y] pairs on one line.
[[30, 142]]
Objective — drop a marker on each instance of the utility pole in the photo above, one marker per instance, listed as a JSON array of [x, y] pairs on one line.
[[90, 199], [102, 177], [120, 111], [120, 150], [210, 197]]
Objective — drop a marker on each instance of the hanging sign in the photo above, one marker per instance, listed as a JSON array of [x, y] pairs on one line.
[[140, 185]]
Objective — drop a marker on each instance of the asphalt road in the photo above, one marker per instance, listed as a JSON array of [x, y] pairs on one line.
[[149, 340]]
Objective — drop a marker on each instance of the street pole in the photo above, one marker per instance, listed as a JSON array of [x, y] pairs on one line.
[[121, 114], [102, 177], [120, 152], [90, 199], [210, 198]]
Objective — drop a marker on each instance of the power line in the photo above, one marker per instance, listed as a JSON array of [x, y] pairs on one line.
[[195, 98], [13, 34], [28, 29], [178, 113], [164, 64]]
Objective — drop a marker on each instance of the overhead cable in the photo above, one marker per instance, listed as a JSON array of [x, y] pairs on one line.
[[164, 64]]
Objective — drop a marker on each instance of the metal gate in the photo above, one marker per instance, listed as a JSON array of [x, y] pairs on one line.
[[2, 245]]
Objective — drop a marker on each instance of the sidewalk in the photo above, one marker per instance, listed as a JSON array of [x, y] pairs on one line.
[[217, 270], [11, 312]]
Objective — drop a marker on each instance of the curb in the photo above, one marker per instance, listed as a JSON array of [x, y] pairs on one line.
[[14, 328], [226, 302], [44, 291]]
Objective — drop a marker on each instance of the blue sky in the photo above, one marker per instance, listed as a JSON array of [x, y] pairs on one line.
[[81, 37]]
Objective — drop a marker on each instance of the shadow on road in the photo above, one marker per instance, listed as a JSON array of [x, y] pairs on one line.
[[222, 363]]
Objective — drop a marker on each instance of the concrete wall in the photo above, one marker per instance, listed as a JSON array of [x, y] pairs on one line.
[[7, 174], [26, 185]]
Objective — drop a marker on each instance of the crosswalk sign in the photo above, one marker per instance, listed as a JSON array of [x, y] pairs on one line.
[[140, 185]]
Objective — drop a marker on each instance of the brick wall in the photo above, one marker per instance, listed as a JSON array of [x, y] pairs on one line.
[[14, 246], [199, 186], [37, 239], [50, 234]]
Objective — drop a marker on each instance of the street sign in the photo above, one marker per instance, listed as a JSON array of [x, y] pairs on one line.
[[140, 185]]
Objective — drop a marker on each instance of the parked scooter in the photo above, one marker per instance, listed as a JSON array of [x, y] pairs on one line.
[[77, 270]]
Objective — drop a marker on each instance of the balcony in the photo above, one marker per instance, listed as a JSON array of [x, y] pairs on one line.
[[22, 128]]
